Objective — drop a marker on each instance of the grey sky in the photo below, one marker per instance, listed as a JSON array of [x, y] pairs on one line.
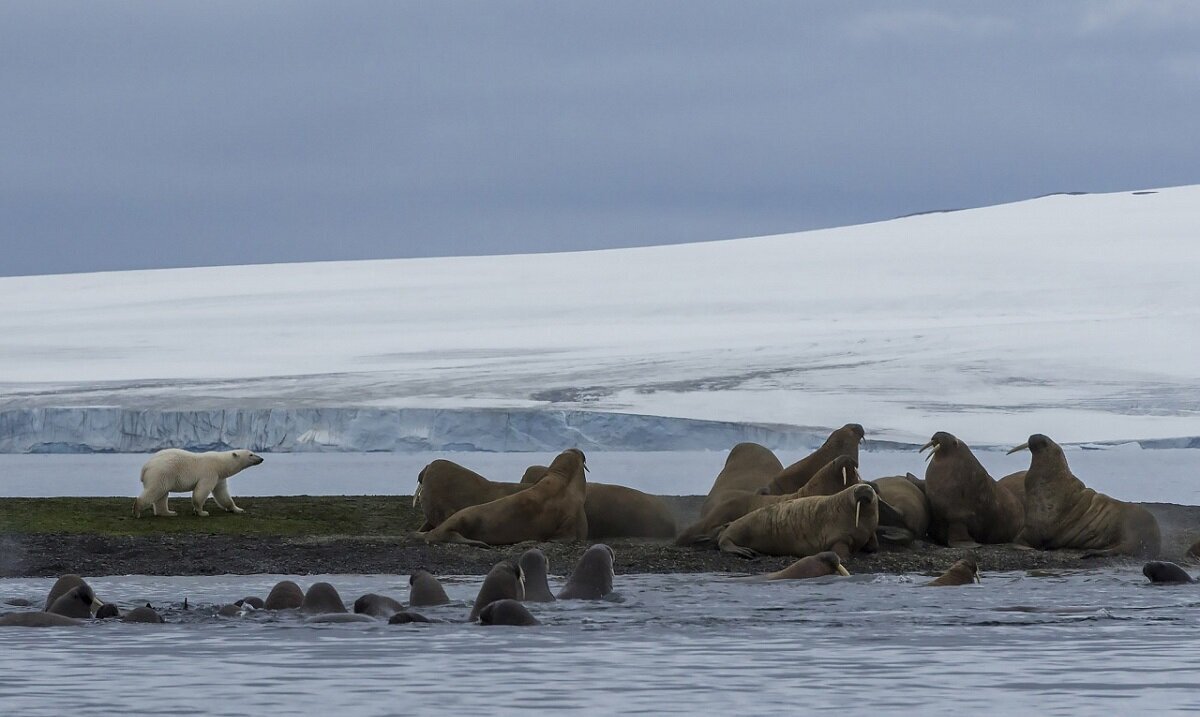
[[172, 134]]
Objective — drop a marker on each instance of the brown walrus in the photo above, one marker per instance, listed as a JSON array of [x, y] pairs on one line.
[[615, 511], [748, 467], [843, 523], [1015, 483], [60, 588], [1163, 573], [968, 507], [962, 572], [813, 566], [832, 478], [424, 590], [551, 509], [322, 598], [592, 577], [1062, 512], [78, 602], [908, 519], [842, 442], [286, 595], [534, 566], [444, 488], [507, 612], [504, 580], [375, 605], [37, 619]]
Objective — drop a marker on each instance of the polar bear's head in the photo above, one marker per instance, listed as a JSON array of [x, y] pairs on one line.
[[244, 458]]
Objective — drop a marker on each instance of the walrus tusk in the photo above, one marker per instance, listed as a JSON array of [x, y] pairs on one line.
[[96, 604], [842, 570], [1022, 447], [976, 576], [932, 445], [845, 480], [857, 508], [417, 495]]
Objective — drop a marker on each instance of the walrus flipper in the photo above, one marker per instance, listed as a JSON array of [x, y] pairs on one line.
[[450, 536], [728, 546], [895, 535]]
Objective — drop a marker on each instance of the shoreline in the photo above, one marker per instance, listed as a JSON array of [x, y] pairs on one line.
[[302, 535]]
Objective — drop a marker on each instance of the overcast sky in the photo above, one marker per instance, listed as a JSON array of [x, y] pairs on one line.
[[190, 133]]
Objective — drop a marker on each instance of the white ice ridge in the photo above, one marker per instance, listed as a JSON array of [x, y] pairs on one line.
[[1074, 316]]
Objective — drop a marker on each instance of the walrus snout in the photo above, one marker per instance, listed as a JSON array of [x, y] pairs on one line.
[[1036, 442]]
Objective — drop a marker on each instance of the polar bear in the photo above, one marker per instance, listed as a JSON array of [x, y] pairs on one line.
[[176, 471]]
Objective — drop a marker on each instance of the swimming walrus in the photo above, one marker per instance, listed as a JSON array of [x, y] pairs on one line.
[[962, 572], [322, 598], [842, 442], [78, 602], [908, 519], [504, 580], [1062, 512], [592, 577], [444, 488], [534, 566], [286, 595], [380, 606], [616, 511], [833, 477], [968, 507], [843, 523], [551, 509], [144, 614], [813, 566], [108, 610], [425, 590], [61, 586], [506, 612], [1164, 573], [254, 602], [748, 467], [37, 619]]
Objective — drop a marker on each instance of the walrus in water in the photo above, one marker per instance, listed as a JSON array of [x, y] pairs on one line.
[[592, 577], [37, 619], [506, 612], [425, 590], [1061, 512], [842, 523], [60, 588], [534, 566], [255, 602], [322, 598], [286, 595], [144, 614], [406, 617], [504, 580], [1164, 573], [748, 467], [813, 566], [380, 606], [551, 509], [78, 602], [962, 572], [615, 511], [969, 508], [908, 519], [833, 477], [842, 442], [108, 610], [444, 488]]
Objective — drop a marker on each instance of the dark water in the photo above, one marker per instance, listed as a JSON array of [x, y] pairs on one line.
[[1068, 643]]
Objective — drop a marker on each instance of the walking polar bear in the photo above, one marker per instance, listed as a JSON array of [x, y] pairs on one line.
[[177, 471]]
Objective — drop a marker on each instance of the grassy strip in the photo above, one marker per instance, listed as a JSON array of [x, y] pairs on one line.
[[278, 515]]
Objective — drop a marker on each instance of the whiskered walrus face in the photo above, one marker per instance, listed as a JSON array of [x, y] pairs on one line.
[[863, 494], [569, 461], [941, 440], [834, 563], [847, 468], [1036, 444], [857, 430]]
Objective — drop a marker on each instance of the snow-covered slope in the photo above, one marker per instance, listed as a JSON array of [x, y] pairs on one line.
[[1076, 316]]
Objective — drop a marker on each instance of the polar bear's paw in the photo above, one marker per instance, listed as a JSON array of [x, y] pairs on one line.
[[237, 510], [202, 513]]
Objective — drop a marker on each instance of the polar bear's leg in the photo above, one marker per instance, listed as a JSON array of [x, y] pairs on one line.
[[160, 506], [200, 494], [221, 495]]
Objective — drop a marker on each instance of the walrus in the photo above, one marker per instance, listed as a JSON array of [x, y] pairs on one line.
[[592, 577], [534, 566], [813, 566], [78, 602], [286, 595], [338, 618], [908, 519], [108, 610], [1164, 573], [551, 509], [506, 612], [842, 442], [255, 602], [504, 580], [230, 610], [968, 507], [962, 572], [615, 511], [748, 467], [144, 614], [843, 523], [1062, 512], [322, 598], [380, 606], [38, 619], [833, 477], [61, 586], [407, 616], [1015, 483], [425, 590], [444, 488]]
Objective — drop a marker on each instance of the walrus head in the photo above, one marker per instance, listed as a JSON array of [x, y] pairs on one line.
[[1164, 573], [862, 493], [569, 461], [1037, 443], [834, 563], [847, 467], [941, 440]]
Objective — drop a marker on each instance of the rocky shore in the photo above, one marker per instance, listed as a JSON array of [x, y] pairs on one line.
[[372, 534]]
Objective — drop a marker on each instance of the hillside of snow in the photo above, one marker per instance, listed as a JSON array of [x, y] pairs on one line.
[[1075, 316]]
